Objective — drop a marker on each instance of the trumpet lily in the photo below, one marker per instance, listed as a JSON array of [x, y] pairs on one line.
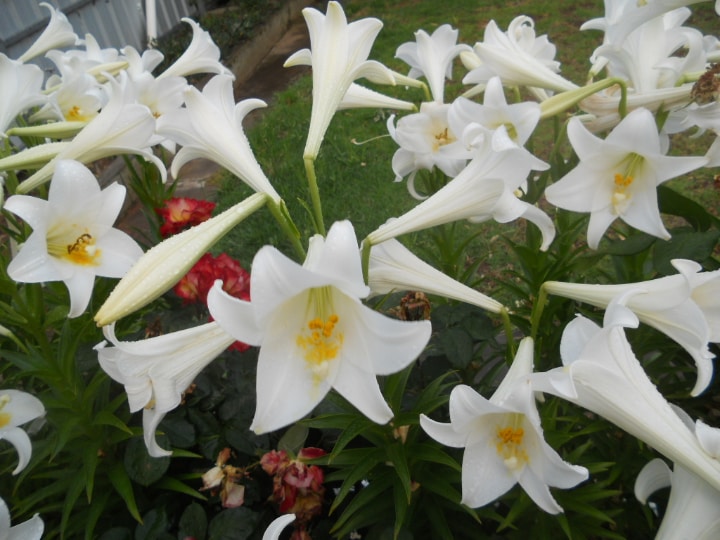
[[156, 371], [122, 127], [684, 307], [57, 34], [20, 87], [431, 56], [210, 126], [618, 177], [18, 408], [314, 333], [276, 528], [394, 267], [73, 239], [201, 56], [503, 440], [338, 56], [517, 57], [602, 374]]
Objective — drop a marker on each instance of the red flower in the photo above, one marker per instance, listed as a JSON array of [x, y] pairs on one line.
[[196, 284], [180, 213]]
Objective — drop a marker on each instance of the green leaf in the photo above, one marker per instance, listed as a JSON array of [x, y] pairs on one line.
[[676, 204], [233, 524], [398, 459], [121, 482], [153, 527], [293, 439], [193, 522], [364, 463], [696, 246], [367, 507], [140, 466], [457, 345], [173, 484], [106, 418]]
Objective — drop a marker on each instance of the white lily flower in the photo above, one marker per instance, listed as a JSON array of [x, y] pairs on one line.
[[503, 440], [519, 119], [422, 138], [359, 97], [57, 34], [393, 267], [607, 379], [162, 266], [277, 526], [78, 98], [210, 126], [20, 88], [157, 371], [201, 56], [314, 333], [432, 56], [484, 189], [122, 127], [32, 529], [73, 239], [618, 177], [18, 408], [517, 57], [338, 55], [684, 307], [693, 509]]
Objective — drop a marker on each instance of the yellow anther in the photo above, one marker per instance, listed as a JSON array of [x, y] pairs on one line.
[[623, 181], [322, 343], [509, 446], [83, 250]]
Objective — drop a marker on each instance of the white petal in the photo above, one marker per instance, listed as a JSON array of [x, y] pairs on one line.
[[653, 476], [709, 438], [276, 527], [362, 390], [151, 420], [237, 317], [20, 440]]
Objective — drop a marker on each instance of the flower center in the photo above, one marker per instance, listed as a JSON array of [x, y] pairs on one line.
[[5, 417], [509, 444], [75, 114], [442, 138], [622, 194], [83, 251], [320, 340]]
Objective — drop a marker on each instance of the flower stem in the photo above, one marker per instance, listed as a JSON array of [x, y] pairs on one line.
[[282, 216], [366, 247], [509, 333], [314, 195], [537, 311]]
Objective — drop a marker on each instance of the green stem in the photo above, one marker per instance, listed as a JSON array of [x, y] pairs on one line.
[[366, 247], [537, 311], [282, 216], [314, 195]]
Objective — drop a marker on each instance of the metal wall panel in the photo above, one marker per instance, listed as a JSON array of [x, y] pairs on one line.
[[113, 23]]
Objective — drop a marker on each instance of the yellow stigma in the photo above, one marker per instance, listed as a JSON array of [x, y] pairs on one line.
[[5, 417], [65, 241], [509, 443], [320, 340]]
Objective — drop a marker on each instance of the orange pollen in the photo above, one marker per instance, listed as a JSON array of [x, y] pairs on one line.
[[509, 446], [622, 182], [320, 342], [83, 251], [75, 113]]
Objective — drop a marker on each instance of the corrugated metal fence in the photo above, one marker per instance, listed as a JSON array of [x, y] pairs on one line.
[[113, 23]]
